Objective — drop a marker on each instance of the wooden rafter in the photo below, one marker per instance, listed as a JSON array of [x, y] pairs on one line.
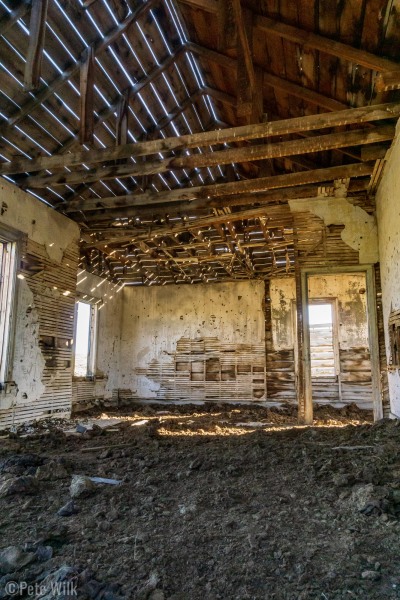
[[222, 157], [37, 30], [86, 98], [121, 133], [234, 134], [54, 85]]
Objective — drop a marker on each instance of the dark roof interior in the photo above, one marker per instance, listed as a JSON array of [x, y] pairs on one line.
[[100, 74]]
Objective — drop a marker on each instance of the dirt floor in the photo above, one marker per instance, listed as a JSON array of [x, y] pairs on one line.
[[214, 503]]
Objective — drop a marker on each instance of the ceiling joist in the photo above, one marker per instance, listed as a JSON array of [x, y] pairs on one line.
[[352, 116], [222, 157]]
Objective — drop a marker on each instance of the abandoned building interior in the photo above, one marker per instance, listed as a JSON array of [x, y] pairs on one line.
[[199, 211]]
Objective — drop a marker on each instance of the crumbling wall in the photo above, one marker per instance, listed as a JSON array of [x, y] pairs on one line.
[[194, 342], [108, 300], [354, 381], [388, 211], [40, 384]]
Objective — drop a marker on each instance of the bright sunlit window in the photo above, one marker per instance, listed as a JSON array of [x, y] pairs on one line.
[[85, 340]]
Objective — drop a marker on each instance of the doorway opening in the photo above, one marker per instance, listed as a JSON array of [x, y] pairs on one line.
[[322, 340]]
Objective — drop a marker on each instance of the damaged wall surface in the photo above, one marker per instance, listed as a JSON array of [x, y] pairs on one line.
[[203, 342], [108, 300], [353, 383], [388, 209], [40, 382]]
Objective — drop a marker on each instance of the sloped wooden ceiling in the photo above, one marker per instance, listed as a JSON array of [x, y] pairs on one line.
[[105, 105]]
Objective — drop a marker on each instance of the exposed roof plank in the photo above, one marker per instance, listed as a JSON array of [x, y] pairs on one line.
[[327, 45], [221, 157], [246, 132]]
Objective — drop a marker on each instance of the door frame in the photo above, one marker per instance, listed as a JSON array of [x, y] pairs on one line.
[[373, 339]]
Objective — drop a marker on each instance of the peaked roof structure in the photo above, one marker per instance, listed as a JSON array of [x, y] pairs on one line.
[[176, 132]]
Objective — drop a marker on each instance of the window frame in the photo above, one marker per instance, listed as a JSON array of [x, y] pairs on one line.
[[93, 340], [14, 238]]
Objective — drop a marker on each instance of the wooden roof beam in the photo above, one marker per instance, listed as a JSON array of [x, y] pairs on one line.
[[218, 190], [350, 116], [18, 13], [86, 122], [37, 30], [221, 157], [98, 47]]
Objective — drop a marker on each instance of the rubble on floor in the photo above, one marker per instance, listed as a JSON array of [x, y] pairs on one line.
[[204, 506]]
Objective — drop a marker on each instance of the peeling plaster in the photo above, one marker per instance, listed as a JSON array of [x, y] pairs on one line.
[[28, 363], [40, 223], [360, 232], [388, 210]]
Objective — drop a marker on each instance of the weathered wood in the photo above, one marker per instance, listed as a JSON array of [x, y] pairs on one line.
[[213, 220], [227, 30], [323, 44], [245, 78], [389, 80], [86, 123], [99, 47], [217, 190], [220, 136], [222, 157], [274, 81], [208, 5], [37, 30], [312, 40], [8, 21], [299, 91], [121, 137]]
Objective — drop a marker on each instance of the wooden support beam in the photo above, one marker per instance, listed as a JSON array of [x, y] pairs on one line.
[[227, 30], [326, 45], [221, 157], [233, 134], [218, 190], [86, 124], [245, 78], [121, 134], [8, 21], [99, 47], [37, 30]]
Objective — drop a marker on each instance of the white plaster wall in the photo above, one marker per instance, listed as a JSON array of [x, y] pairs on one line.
[[388, 211], [155, 318], [55, 233], [108, 330], [353, 325]]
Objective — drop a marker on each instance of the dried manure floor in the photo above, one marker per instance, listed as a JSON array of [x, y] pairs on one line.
[[214, 503]]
